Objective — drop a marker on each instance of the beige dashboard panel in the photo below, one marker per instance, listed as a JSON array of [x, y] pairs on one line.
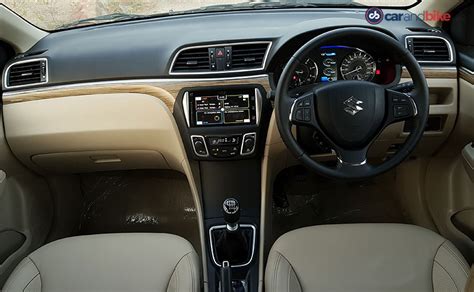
[[130, 127], [92, 161]]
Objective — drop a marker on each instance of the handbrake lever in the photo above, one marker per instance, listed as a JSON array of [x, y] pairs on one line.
[[226, 277]]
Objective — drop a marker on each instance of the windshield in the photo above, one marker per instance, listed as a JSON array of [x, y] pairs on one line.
[[60, 14]]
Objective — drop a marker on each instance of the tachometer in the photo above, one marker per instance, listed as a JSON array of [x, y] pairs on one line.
[[358, 66], [306, 73]]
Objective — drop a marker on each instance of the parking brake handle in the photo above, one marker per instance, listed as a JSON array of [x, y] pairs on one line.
[[226, 277]]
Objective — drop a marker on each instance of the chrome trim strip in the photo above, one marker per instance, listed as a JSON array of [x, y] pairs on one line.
[[450, 49], [216, 227], [254, 134], [466, 70], [258, 105], [186, 108], [290, 118], [205, 145], [466, 75], [269, 45], [5, 76], [351, 164], [131, 81], [413, 104]]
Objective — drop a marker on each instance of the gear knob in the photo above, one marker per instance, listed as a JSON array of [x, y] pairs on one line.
[[231, 212]]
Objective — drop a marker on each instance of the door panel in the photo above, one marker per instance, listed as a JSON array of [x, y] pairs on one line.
[[25, 203], [449, 182]]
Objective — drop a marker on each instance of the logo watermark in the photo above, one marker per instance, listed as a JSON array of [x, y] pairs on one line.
[[375, 15]]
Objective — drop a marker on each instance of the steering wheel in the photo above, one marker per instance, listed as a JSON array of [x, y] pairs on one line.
[[351, 114]]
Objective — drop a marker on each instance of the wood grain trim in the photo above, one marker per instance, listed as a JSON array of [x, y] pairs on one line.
[[164, 89], [157, 92], [435, 72], [466, 74]]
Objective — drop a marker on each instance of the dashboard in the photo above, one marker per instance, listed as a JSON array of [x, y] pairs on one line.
[[218, 81], [146, 48]]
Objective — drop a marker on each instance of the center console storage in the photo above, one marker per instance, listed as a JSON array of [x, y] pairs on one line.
[[223, 130]]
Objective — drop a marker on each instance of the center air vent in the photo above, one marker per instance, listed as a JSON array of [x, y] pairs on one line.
[[192, 60], [25, 73], [221, 58], [249, 56], [430, 49]]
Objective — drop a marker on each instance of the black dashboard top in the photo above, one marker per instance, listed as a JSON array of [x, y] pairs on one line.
[[145, 48]]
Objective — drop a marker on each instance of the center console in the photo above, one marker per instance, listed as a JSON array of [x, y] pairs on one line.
[[223, 130], [222, 121]]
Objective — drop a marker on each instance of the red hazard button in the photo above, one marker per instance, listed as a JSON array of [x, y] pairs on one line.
[[220, 53]]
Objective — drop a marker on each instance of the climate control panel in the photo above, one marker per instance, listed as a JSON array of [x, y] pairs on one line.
[[223, 147]]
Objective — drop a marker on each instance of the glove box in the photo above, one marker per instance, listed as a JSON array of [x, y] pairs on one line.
[[92, 161]]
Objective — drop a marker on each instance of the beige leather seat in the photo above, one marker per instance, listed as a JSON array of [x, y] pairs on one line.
[[110, 262], [364, 257]]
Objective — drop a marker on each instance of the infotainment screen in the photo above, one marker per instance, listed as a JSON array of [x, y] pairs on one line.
[[222, 107]]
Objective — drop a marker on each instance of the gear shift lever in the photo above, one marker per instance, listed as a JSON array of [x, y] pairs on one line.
[[231, 211]]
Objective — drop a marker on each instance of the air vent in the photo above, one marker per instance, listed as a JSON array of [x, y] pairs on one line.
[[248, 56], [192, 60], [430, 49], [26, 73], [221, 58]]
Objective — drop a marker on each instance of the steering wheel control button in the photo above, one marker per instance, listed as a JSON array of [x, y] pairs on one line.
[[299, 115], [307, 115], [302, 110], [403, 106], [401, 111], [248, 144], [199, 146]]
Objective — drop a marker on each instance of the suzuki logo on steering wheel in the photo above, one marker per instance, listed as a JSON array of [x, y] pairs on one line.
[[374, 15], [353, 106]]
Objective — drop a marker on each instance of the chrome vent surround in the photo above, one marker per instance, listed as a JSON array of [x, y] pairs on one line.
[[430, 49], [221, 58], [26, 73]]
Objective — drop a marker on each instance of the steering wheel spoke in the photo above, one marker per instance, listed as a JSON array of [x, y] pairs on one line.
[[353, 157], [303, 112], [400, 106]]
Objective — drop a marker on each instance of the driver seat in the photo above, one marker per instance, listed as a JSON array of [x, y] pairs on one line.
[[364, 257]]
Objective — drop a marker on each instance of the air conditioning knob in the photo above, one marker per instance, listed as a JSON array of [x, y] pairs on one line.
[[248, 144]]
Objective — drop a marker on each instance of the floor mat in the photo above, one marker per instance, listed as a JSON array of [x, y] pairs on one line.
[[302, 198], [139, 201]]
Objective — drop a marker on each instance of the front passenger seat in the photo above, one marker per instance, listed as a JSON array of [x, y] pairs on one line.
[[364, 257], [110, 262]]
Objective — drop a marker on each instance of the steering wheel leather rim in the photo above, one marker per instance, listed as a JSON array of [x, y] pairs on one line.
[[420, 96]]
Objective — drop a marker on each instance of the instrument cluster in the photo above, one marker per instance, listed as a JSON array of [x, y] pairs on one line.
[[337, 62]]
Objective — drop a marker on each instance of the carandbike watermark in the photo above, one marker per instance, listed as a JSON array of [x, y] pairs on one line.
[[375, 15]]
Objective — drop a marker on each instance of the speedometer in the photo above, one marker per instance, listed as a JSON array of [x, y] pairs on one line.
[[358, 66], [306, 73]]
